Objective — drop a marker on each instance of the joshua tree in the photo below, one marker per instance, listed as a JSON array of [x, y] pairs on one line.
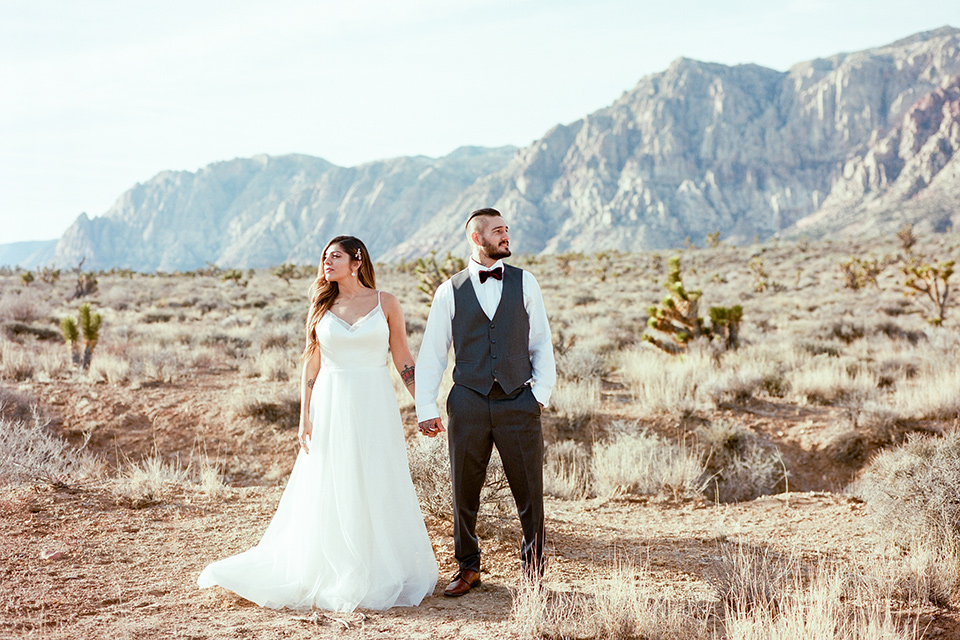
[[933, 282], [26, 278], [858, 273], [432, 274], [236, 276], [49, 275], [88, 324], [677, 316], [725, 324], [71, 336], [285, 272], [906, 237], [90, 327]]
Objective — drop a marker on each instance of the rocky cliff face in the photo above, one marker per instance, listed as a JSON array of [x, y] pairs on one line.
[[741, 150], [263, 211], [854, 142]]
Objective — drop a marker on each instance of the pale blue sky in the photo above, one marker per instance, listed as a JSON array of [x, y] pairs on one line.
[[99, 95]]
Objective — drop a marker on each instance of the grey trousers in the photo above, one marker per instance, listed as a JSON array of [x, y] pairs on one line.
[[512, 423]]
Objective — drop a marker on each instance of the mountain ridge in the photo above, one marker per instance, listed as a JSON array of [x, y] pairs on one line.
[[853, 141]]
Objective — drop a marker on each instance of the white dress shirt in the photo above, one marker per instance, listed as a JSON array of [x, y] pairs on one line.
[[438, 335]]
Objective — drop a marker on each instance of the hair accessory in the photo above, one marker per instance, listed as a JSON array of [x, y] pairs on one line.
[[358, 253]]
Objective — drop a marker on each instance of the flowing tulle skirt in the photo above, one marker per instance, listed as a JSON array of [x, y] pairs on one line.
[[348, 531]]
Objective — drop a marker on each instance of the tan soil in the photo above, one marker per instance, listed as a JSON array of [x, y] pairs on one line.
[[131, 573]]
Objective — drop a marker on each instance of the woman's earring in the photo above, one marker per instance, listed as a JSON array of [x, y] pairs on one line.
[[354, 274]]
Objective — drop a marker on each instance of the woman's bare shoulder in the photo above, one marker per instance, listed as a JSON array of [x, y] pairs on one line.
[[389, 301]]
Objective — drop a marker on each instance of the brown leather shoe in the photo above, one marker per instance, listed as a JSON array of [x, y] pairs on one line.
[[465, 580]]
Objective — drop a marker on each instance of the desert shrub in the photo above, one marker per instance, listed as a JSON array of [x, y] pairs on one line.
[[858, 273], [429, 460], [827, 380], [275, 341], [30, 453], [867, 426], [232, 344], [669, 385], [575, 404], [18, 331], [21, 307], [149, 481], [271, 364], [645, 464], [110, 368], [930, 395], [16, 405], [624, 604], [16, 364], [738, 464], [913, 491], [842, 329], [153, 480], [566, 472], [281, 411], [748, 576], [828, 602], [894, 331], [579, 363]]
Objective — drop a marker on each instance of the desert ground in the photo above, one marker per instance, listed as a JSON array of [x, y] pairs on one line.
[[756, 491]]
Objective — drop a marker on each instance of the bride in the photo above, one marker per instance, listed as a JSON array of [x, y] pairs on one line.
[[348, 531]]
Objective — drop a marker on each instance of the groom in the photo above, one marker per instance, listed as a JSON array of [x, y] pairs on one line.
[[503, 374]]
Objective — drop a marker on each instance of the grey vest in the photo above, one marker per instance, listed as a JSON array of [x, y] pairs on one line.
[[486, 350]]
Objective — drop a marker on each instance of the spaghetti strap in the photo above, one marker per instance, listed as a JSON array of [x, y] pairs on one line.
[[378, 297]]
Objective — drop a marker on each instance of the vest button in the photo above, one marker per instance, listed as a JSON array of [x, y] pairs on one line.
[[494, 356], [493, 342], [493, 326]]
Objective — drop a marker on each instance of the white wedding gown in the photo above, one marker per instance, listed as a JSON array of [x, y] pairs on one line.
[[348, 531]]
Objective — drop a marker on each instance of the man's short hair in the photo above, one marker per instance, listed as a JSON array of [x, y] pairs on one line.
[[486, 212]]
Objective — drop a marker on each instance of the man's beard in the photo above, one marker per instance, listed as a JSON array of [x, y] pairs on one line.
[[495, 252]]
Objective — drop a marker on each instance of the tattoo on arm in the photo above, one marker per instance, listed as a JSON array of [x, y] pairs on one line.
[[407, 375], [310, 383]]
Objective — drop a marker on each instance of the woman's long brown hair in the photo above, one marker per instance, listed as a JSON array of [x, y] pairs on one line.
[[323, 294]]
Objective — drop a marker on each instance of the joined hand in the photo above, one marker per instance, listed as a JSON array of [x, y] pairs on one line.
[[431, 428]]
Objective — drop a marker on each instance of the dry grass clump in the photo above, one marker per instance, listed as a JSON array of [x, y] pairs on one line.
[[16, 363], [761, 595], [830, 605], [765, 595], [827, 380], [645, 464], [580, 363], [623, 605], [153, 480], [575, 404], [282, 411], [566, 472], [738, 464], [665, 384]]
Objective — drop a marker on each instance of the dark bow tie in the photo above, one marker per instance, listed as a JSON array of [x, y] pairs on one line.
[[493, 273]]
